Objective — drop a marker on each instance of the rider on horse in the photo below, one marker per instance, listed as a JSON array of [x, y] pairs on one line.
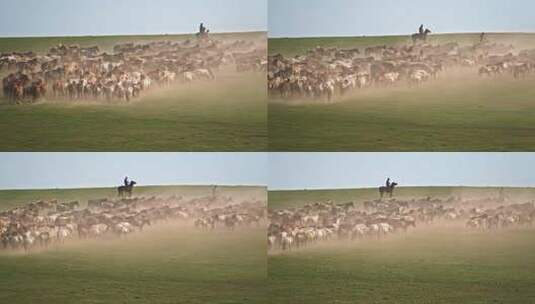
[[203, 32], [421, 35], [126, 189], [388, 188]]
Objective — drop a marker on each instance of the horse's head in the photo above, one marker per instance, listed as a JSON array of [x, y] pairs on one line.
[[393, 184], [132, 183], [427, 31]]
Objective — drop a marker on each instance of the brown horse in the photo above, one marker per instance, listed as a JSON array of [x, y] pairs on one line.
[[126, 190], [389, 190], [420, 36], [203, 35]]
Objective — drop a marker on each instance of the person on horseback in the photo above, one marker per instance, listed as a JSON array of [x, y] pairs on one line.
[[421, 29], [126, 182], [202, 29], [388, 189]]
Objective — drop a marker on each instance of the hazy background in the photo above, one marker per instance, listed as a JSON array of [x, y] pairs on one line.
[[127, 17], [305, 18], [73, 170], [356, 170], [278, 170]]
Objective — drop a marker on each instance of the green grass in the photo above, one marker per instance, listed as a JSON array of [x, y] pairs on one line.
[[426, 265], [14, 198], [168, 263], [226, 115], [459, 112], [420, 267], [299, 46], [297, 198], [162, 265], [41, 45]]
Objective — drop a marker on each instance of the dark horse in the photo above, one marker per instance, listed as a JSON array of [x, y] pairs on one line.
[[203, 35], [126, 190], [420, 36], [389, 190]]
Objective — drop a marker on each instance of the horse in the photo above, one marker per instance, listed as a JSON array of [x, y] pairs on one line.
[[420, 36], [126, 189], [203, 35], [389, 190]]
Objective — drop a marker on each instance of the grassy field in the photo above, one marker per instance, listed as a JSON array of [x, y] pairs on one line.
[[226, 115], [14, 198], [296, 198], [162, 265], [427, 265], [458, 112], [168, 263], [299, 46], [420, 267]]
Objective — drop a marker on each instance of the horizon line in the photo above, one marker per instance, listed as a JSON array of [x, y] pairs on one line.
[[407, 186], [142, 186], [131, 34], [401, 35]]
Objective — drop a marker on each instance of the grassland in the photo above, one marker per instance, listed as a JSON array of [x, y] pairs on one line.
[[226, 115], [299, 46], [420, 267], [105, 43], [297, 198], [14, 198], [426, 265], [167, 263], [458, 112]]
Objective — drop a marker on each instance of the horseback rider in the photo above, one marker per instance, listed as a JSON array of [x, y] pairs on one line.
[[126, 182], [421, 29], [388, 182], [202, 28]]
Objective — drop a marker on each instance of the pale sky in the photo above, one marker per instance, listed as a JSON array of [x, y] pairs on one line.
[[313, 18], [277, 170], [82, 170], [360, 170], [128, 17]]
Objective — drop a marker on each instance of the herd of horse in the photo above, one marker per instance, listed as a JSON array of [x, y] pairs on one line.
[[325, 72], [41, 224], [319, 222], [87, 73]]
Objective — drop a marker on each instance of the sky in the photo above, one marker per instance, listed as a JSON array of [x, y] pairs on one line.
[[280, 171], [306, 18], [83, 170], [362, 170], [107, 17]]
